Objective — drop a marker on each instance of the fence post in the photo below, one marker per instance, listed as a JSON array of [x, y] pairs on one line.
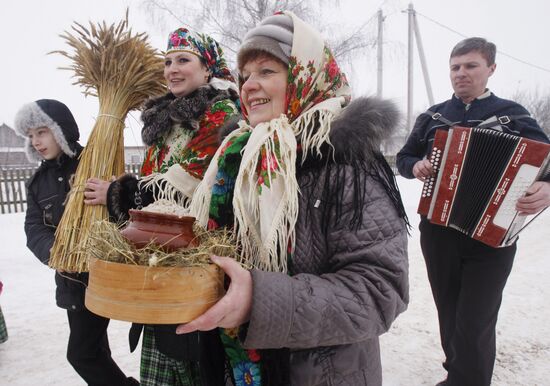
[[3, 189]]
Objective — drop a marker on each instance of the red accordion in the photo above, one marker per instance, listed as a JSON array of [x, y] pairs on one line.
[[478, 176]]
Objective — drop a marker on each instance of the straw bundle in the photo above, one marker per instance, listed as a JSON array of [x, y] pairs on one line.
[[122, 70]]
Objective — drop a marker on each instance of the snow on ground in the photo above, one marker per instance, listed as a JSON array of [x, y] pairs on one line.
[[38, 330], [411, 354]]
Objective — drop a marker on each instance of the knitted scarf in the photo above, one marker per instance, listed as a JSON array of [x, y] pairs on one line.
[[251, 182]]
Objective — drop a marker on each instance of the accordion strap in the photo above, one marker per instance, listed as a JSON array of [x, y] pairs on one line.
[[502, 120], [440, 118], [525, 226]]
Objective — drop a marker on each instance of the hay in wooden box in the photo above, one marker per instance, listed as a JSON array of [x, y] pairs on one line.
[[122, 70]]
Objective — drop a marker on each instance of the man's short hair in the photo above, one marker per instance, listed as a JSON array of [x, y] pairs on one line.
[[487, 49]]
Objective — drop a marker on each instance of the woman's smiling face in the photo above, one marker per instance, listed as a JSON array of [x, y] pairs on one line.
[[184, 73], [263, 88]]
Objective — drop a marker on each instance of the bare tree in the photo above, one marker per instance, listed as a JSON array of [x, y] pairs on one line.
[[229, 21], [538, 105]]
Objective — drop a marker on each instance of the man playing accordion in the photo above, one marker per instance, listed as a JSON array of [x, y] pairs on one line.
[[468, 277]]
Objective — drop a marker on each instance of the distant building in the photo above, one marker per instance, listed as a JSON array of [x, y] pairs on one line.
[[12, 148], [134, 154]]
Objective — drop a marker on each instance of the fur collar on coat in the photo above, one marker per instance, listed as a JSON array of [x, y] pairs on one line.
[[161, 113], [358, 132]]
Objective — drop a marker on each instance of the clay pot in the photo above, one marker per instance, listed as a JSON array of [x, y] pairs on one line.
[[168, 231]]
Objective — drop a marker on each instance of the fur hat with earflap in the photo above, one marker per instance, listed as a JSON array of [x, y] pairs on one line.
[[51, 114]]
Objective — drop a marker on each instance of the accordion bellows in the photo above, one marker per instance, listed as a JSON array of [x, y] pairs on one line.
[[478, 176]]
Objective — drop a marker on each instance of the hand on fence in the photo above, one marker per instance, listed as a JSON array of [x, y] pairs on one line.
[[95, 192]]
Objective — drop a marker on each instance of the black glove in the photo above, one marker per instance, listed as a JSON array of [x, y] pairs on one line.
[[124, 194]]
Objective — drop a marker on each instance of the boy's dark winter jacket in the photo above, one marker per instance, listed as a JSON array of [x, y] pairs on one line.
[[46, 193], [47, 189]]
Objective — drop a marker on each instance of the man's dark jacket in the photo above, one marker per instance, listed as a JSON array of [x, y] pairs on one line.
[[420, 141]]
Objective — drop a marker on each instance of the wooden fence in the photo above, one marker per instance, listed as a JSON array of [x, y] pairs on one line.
[[13, 194]]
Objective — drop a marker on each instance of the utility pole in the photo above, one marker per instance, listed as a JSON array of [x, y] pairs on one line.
[[414, 31], [379, 78], [423, 61], [410, 68]]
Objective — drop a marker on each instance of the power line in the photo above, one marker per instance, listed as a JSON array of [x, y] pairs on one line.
[[441, 25], [500, 52]]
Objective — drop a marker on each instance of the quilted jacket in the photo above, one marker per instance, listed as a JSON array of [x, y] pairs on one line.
[[349, 278]]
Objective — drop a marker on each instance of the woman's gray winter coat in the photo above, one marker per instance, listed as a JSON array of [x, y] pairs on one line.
[[349, 276]]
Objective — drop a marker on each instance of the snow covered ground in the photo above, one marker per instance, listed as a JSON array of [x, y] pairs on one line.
[[411, 354]]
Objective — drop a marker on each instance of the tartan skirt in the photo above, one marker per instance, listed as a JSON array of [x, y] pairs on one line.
[[3, 328], [158, 369]]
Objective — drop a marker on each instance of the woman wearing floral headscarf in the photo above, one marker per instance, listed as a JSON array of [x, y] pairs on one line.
[[182, 132], [317, 215]]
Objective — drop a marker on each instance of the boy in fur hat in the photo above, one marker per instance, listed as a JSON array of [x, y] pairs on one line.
[[52, 138]]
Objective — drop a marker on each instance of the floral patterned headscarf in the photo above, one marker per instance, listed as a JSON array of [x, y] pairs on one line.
[[265, 199], [313, 74], [202, 45]]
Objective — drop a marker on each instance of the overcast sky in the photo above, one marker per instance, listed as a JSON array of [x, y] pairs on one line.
[[29, 29]]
